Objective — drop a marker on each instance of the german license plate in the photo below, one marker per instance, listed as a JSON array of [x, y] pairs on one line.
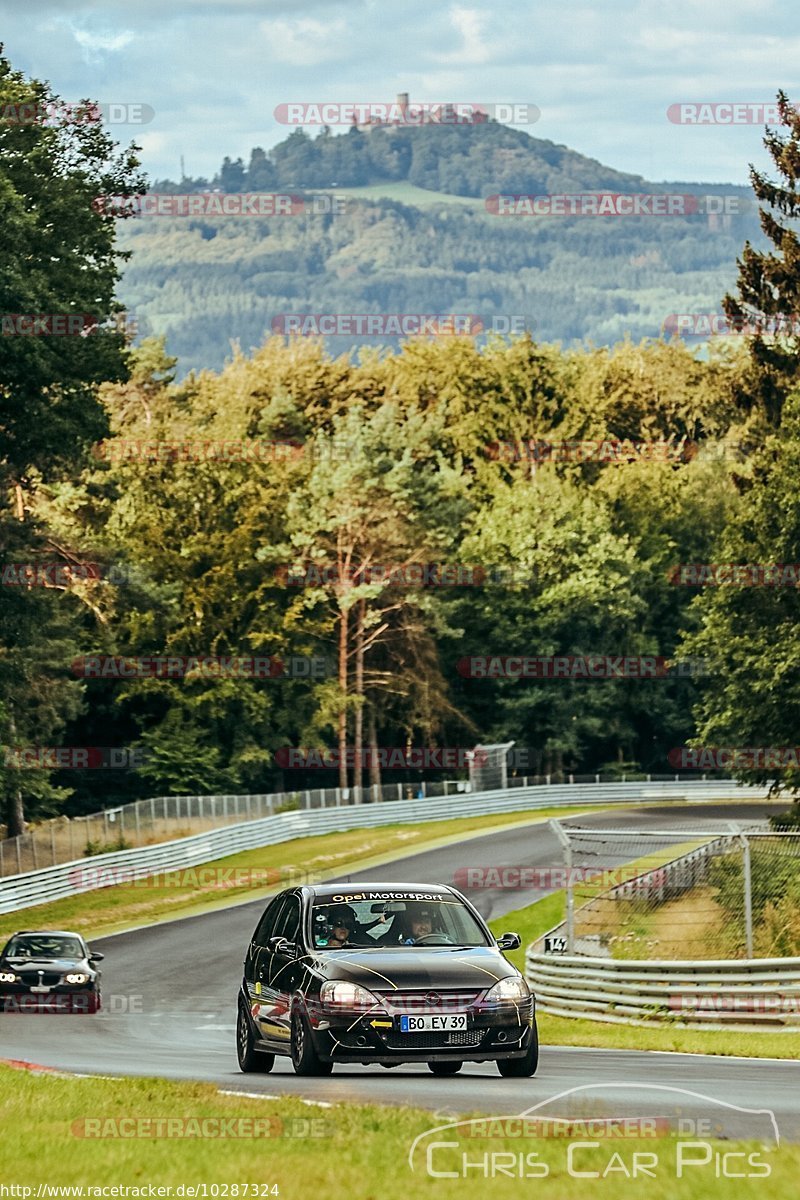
[[433, 1024], [40, 988]]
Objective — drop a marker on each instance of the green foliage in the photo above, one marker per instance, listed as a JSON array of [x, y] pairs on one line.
[[92, 848], [775, 883]]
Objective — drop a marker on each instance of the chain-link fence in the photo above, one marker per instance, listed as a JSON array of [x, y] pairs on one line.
[[165, 818], [688, 894]]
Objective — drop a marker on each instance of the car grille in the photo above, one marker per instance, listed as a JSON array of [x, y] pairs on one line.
[[416, 1001], [31, 978], [434, 1041]]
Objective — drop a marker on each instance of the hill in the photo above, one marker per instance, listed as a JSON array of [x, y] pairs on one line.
[[415, 236]]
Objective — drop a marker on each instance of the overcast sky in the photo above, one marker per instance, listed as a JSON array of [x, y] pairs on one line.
[[603, 74]]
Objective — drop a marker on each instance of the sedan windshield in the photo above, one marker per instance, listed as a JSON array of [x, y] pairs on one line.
[[367, 924], [44, 946]]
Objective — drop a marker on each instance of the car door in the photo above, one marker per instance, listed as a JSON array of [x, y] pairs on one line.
[[257, 967], [285, 970]]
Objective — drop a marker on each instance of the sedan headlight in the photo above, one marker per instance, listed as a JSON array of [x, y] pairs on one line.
[[348, 995], [7, 977], [76, 977], [512, 989]]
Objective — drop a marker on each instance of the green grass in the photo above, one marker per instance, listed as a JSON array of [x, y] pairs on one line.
[[309, 859], [742, 1043], [359, 1151]]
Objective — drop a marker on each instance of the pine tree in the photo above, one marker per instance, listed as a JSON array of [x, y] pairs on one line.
[[769, 280]]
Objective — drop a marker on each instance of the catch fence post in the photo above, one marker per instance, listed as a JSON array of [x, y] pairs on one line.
[[566, 846], [748, 888]]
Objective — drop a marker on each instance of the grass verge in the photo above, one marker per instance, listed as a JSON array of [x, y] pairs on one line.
[[256, 873], [304, 1150], [534, 920]]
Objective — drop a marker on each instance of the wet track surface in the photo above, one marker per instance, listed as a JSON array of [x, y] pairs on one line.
[[170, 995]]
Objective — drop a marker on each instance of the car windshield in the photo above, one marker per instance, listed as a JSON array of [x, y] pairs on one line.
[[43, 945], [368, 923]]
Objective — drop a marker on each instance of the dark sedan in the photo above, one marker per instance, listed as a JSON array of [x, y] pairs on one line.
[[382, 973], [49, 971]]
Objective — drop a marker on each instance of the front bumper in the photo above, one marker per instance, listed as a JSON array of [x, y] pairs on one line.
[[62, 997], [503, 1031]]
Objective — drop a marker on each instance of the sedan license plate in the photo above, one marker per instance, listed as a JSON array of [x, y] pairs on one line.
[[40, 987], [434, 1024]]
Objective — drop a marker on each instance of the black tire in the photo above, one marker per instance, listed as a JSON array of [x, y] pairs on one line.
[[445, 1068], [522, 1068], [249, 1058], [305, 1059]]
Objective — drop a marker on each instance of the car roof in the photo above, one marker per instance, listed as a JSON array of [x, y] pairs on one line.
[[46, 933], [372, 891]]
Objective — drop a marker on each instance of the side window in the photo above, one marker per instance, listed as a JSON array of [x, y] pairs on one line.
[[289, 924], [266, 925]]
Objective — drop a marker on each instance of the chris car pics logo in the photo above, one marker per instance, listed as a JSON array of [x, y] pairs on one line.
[[684, 1134]]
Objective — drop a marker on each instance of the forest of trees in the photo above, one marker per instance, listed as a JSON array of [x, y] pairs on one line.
[[392, 459]]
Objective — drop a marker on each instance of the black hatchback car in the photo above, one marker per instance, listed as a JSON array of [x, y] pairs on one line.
[[49, 971], [382, 973]]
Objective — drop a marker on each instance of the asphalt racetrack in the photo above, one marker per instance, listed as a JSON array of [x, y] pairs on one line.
[[170, 1004]]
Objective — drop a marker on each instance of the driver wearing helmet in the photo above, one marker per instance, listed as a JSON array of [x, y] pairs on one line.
[[342, 923]]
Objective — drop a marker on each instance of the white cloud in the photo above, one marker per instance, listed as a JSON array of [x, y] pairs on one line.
[[474, 47], [306, 42], [603, 76], [93, 41]]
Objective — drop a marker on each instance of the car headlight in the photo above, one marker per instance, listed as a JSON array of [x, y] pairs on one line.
[[7, 977], [76, 977], [513, 989], [348, 995]]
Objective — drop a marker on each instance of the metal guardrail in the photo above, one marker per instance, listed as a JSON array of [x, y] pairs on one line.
[[754, 993], [104, 870]]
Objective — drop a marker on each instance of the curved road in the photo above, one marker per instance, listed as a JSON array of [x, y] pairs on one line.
[[170, 993]]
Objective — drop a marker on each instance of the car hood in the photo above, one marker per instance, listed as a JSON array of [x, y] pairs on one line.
[[409, 968], [47, 964]]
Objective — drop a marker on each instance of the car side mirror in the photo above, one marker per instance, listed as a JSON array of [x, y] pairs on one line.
[[509, 941], [96, 956]]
